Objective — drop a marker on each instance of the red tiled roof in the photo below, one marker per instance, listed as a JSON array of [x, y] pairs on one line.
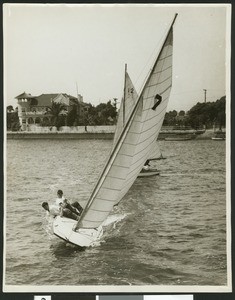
[[70, 97], [46, 99]]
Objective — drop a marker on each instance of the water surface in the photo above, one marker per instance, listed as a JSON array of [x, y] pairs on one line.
[[172, 228]]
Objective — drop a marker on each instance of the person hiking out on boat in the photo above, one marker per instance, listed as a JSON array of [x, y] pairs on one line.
[[53, 210], [66, 212], [60, 197], [74, 207], [146, 166], [60, 210]]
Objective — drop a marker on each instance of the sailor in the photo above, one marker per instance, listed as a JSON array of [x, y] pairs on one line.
[[75, 207], [60, 197], [53, 210], [66, 212], [146, 166]]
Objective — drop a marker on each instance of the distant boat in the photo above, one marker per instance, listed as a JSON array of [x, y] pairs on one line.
[[219, 136], [128, 155]]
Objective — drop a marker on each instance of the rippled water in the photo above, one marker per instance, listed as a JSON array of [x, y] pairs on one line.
[[169, 229]]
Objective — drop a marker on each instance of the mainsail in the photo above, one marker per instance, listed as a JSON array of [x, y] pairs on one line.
[[135, 142]]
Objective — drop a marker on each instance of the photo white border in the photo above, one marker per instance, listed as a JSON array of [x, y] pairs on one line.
[[150, 288]]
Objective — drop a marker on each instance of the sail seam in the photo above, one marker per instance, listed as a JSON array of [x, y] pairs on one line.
[[89, 220], [165, 57], [159, 83], [107, 200], [145, 139], [148, 118], [100, 210], [148, 128], [161, 71], [120, 166], [162, 92]]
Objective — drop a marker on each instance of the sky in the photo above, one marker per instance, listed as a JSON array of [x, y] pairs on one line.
[[63, 48]]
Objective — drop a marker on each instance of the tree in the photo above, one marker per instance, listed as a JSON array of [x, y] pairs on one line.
[[10, 108], [221, 114], [170, 118], [13, 122], [72, 116], [182, 113], [207, 114], [56, 109]]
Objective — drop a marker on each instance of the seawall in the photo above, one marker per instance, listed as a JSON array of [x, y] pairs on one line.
[[207, 135], [58, 135]]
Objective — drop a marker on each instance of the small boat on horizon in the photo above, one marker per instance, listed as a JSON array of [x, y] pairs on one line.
[[219, 136]]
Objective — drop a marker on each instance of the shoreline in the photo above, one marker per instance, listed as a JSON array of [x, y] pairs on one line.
[[58, 135], [207, 135]]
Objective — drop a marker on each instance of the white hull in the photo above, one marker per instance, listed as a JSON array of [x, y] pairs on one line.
[[84, 237], [147, 173], [218, 139]]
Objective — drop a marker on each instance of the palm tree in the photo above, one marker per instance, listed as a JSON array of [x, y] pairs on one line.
[[55, 111]]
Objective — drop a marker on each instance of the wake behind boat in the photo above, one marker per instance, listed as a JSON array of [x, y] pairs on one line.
[[129, 153]]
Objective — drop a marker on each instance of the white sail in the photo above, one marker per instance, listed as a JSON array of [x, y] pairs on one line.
[[135, 141], [128, 101]]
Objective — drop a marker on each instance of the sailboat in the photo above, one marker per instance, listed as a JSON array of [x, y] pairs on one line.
[[129, 153]]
